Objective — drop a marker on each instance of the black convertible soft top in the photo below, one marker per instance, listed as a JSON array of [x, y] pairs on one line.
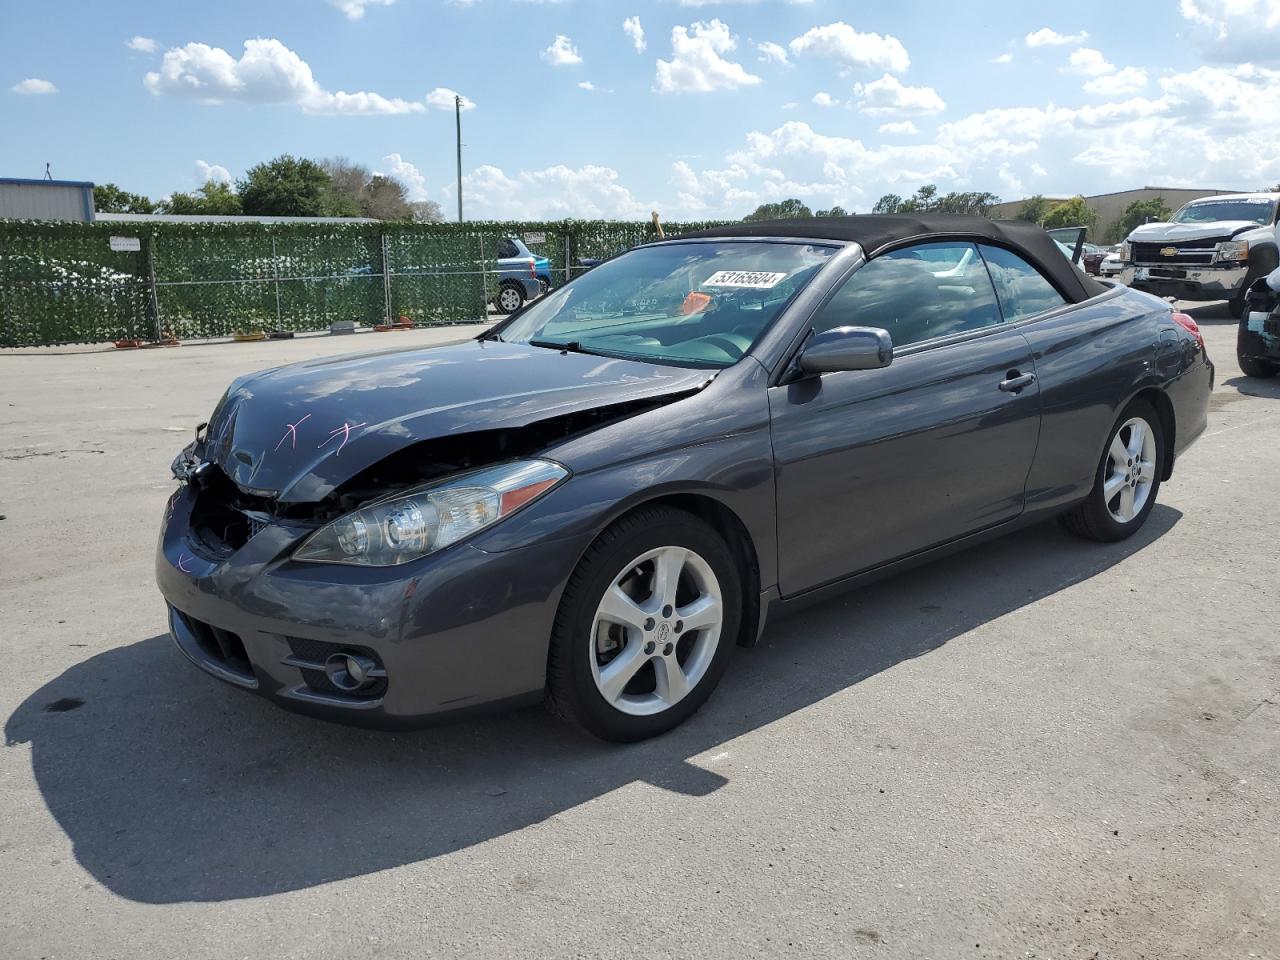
[[877, 232]]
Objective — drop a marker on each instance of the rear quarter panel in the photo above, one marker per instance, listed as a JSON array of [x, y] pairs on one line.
[[1090, 360]]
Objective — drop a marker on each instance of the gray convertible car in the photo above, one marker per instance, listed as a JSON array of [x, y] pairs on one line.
[[593, 502]]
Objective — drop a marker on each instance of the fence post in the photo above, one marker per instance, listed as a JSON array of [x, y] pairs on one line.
[[386, 278], [484, 282], [151, 284], [275, 270]]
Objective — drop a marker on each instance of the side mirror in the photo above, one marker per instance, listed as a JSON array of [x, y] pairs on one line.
[[847, 348]]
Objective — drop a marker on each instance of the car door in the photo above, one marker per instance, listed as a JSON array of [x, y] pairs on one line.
[[875, 465]]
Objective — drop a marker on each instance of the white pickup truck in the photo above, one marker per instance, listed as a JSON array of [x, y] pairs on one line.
[[1211, 249]]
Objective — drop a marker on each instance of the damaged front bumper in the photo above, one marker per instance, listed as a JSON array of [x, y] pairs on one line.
[[1259, 337], [461, 629]]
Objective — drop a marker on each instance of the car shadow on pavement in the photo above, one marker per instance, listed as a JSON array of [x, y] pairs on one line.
[[173, 787], [1255, 386]]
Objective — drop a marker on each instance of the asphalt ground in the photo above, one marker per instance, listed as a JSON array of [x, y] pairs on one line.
[[1040, 748]]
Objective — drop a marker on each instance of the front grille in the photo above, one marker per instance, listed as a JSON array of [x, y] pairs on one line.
[[221, 646], [1188, 252], [309, 657]]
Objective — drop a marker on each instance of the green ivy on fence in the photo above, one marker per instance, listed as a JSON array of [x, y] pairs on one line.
[[62, 283]]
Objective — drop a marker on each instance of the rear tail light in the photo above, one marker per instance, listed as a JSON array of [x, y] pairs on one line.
[[533, 268], [1189, 325]]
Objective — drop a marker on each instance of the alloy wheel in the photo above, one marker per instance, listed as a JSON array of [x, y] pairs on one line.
[[509, 300], [656, 630], [1131, 470]]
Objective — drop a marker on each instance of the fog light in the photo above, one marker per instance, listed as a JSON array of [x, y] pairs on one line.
[[352, 672]]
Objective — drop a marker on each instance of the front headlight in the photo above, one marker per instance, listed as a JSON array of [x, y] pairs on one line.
[[1232, 250], [428, 518], [1125, 252]]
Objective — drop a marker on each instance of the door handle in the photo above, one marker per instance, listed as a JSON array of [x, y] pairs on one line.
[[1017, 381]]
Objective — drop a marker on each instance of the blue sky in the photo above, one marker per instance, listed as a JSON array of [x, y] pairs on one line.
[[721, 106]]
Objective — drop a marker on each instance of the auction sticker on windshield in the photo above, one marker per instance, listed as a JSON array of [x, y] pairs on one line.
[[744, 278]]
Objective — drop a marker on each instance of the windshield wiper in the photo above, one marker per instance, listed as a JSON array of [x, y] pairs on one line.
[[565, 346]]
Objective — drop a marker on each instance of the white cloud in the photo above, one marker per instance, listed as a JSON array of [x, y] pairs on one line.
[[561, 53], [631, 27], [1235, 31], [1089, 62], [1104, 78], [1003, 58], [890, 95], [441, 98], [1122, 83], [33, 85], [1045, 37], [414, 182], [586, 85], [696, 64], [267, 72], [354, 9], [591, 192], [212, 171], [141, 44], [841, 42], [824, 99], [899, 128], [771, 52], [1207, 127]]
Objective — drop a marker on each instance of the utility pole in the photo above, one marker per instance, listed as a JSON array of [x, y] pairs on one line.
[[457, 119]]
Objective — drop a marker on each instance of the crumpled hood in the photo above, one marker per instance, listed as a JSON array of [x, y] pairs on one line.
[[1156, 232], [297, 432]]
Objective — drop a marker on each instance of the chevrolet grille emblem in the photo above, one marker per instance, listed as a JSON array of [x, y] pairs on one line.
[[1168, 251]]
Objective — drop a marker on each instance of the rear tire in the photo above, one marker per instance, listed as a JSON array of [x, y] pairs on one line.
[[1127, 480], [657, 598], [510, 298], [1262, 369], [1236, 307]]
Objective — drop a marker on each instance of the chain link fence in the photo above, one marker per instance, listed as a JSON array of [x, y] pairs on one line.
[[66, 283]]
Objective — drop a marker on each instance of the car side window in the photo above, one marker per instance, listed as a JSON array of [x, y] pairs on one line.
[[1022, 289], [917, 293], [507, 249]]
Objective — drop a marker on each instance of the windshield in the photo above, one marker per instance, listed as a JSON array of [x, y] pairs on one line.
[[697, 303], [1259, 211]]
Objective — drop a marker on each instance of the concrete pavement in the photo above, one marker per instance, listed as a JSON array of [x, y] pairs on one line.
[[1043, 747]]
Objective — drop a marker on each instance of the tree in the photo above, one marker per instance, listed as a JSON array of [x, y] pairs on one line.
[[214, 197], [790, 208], [1071, 213], [1138, 213], [836, 211], [383, 199], [974, 202], [889, 203], [290, 187], [108, 198], [347, 180], [425, 211], [926, 200], [1034, 209]]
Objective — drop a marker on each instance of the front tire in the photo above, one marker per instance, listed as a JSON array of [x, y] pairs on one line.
[[645, 626], [1236, 307], [1127, 480]]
